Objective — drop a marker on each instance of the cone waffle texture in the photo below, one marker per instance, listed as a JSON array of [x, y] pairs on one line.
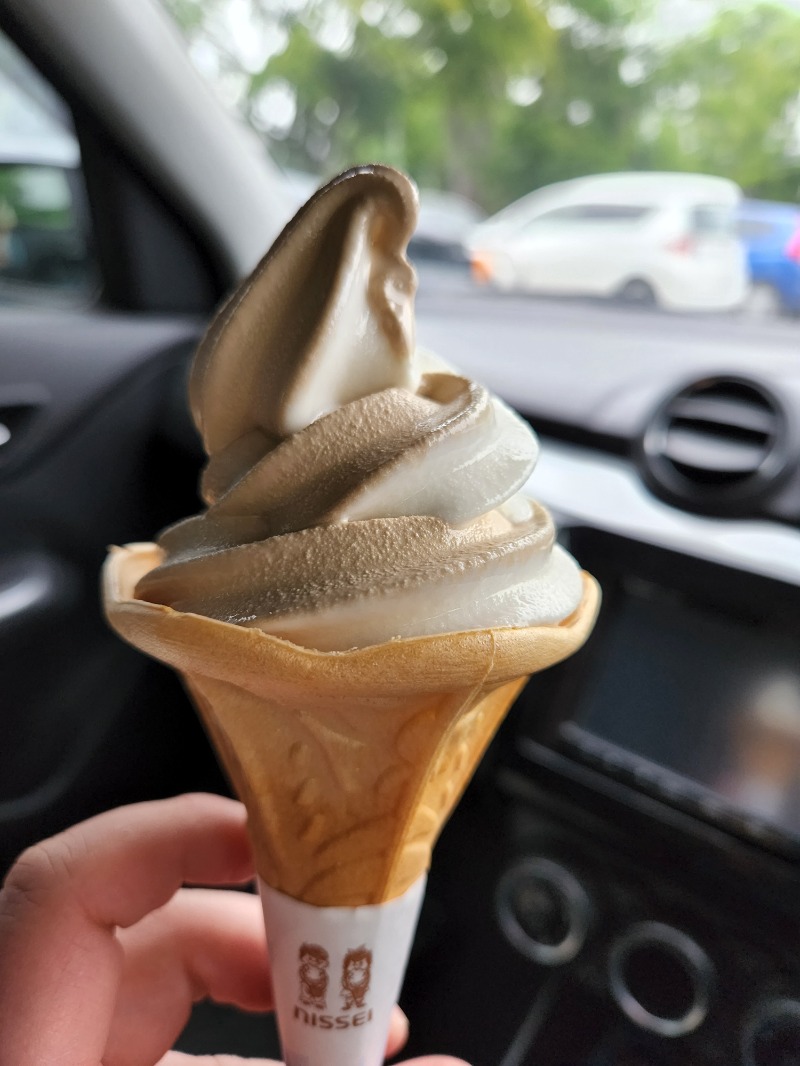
[[349, 763]]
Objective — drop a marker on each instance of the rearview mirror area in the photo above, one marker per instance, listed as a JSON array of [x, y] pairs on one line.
[[45, 232]]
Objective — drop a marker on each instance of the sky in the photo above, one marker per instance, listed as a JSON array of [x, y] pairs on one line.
[[679, 18]]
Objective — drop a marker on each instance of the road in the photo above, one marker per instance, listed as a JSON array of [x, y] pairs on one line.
[[529, 349]]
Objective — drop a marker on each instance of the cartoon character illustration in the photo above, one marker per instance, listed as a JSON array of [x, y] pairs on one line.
[[313, 975], [355, 977]]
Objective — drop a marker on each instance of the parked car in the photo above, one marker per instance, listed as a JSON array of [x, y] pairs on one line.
[[771, 235], [645, 238], [620, 885], [445, 221]]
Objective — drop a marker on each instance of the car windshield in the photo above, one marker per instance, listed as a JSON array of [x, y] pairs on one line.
[[674, 122]]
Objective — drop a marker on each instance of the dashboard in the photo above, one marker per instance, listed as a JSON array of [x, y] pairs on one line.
[[648, 790]]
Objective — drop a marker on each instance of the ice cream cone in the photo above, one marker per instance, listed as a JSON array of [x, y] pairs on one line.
[[349, 763]]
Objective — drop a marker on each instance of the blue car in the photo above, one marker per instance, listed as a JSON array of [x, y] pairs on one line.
[[771, 235]]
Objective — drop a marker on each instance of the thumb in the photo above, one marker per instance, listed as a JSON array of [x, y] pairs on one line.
[[178, 1058], [434, 1060]]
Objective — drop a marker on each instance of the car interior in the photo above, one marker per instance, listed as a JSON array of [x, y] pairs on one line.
[[619, 885]]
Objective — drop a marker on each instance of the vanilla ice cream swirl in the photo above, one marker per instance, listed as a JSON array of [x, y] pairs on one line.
[[357, 490]]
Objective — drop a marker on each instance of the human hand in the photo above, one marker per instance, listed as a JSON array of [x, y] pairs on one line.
[[103, 952]]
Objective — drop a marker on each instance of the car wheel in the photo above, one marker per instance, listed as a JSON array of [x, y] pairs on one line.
[[763, 301], [639, 292]]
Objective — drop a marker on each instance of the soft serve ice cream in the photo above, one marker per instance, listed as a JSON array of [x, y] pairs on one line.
[[357, 490], [359, 604]]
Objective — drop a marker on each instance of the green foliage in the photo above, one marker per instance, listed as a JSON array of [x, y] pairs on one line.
[[420, 86], [34, 196], [729, 101], [492, 98], [191, 15], [586, 120]]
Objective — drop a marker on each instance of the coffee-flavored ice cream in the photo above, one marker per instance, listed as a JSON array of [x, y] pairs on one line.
[[357, 490]]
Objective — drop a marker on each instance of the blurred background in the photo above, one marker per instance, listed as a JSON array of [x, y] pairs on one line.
[[490, 99], [609, 238], [483, 102]]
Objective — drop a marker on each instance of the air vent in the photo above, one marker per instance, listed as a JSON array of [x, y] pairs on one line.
[[719, 446]]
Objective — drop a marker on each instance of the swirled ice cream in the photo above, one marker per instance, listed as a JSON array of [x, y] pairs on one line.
[[357, 490]]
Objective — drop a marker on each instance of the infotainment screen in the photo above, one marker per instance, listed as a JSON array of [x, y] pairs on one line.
[[712, 696]]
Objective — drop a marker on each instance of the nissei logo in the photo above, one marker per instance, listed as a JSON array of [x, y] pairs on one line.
[[356, 972], [329, 1021], [313, 974]]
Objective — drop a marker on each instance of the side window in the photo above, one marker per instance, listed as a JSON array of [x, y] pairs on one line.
[[714, 219], [616, 212], [750, 229], [559, 216], [590, 214], [45, 255]]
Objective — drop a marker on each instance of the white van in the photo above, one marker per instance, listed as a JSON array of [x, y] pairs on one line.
[[643, 237]]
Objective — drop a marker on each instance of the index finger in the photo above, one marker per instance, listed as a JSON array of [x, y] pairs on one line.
[[59, 958]]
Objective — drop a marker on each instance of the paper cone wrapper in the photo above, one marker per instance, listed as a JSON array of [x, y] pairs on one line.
[[349, 763], [336, 974]]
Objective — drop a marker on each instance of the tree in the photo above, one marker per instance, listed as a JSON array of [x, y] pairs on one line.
[[728, 101], [586, 116], [419, 84], [489, 98], [493, 98]]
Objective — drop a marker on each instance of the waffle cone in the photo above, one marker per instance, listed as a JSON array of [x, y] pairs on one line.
[[349, 763]]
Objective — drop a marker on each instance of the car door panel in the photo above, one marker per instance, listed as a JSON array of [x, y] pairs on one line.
[[99, 450]]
